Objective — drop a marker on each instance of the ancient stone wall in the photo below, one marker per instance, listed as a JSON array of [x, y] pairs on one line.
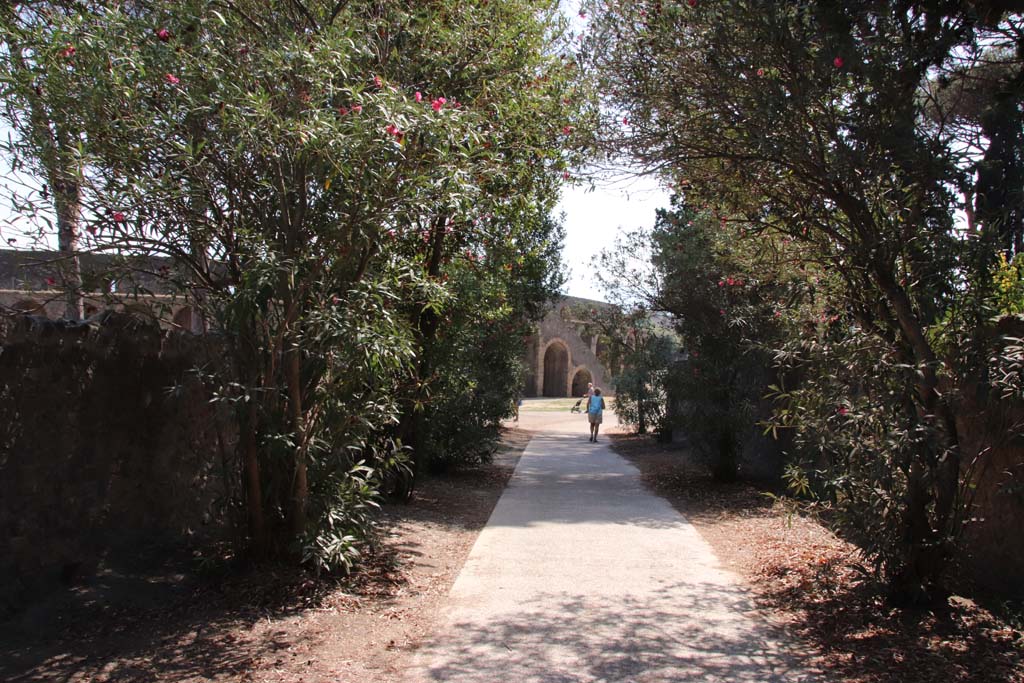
[[559, 352], [108, 439], [991, 428]]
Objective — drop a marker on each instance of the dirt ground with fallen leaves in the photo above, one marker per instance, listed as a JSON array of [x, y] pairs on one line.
[[807, 580], [271, 625], [277, 625]]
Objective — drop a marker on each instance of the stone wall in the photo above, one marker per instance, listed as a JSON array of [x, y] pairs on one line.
[[991, 428], [562, 332], [107, 439]]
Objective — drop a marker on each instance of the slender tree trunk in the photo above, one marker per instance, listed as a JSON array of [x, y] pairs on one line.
[[940, 481], [253, 485], [67, 195], [300, 483], [427, 325], [52, 143]]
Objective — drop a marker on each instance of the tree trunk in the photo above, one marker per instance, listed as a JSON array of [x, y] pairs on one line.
[[66, 196], [427, 324], [926, 538], [52, 143], [300, 483], [253, 486]]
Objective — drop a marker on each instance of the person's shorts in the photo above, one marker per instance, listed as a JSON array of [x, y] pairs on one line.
[[594, 418]]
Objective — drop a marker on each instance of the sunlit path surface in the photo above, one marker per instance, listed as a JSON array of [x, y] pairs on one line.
[[583, 575]]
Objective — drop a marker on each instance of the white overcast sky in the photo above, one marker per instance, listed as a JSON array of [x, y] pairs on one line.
[[594, 218]]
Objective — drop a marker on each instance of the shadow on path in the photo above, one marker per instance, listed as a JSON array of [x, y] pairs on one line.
[[636, 638]]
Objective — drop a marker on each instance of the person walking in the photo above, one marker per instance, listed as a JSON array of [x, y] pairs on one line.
[[595, 413]]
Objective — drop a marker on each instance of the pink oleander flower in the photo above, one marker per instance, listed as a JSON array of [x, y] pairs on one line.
[[164, 35], [438, 103], [565, 175], [172, 79], [566, 130], [842, 410], [50, 281], [838, 62], [378, 82], [721, 283], [342, 111], [68, 52], [419, 96], [117, 217], [625, 120], [760, 72], [358, 108]]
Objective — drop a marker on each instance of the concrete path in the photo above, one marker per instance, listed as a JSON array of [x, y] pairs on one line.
[[583, 575]]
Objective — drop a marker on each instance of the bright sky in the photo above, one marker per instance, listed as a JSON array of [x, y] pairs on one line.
[[593, 219]]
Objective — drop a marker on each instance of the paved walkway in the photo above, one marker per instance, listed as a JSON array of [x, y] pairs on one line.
[[583, 575]]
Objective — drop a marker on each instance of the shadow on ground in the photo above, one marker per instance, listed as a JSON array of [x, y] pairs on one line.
[[641, 639], [132, 625], [802, 572], [149, 615]]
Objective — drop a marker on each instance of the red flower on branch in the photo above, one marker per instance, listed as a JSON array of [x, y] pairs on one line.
[[419, 96], [117, 217], [172, 79], [838, 62], [438, 103], [164, 35], [68, 52]]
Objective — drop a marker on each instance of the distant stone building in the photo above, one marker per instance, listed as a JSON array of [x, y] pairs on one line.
[[561, 357], [32, 282]]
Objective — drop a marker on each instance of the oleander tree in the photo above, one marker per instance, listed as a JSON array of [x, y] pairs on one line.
[[344, 189], [828, 125]]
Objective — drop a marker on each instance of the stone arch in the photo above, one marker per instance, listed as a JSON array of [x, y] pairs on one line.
[[556, 368], [580, 379]]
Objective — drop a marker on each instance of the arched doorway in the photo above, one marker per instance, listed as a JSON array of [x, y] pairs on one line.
[[580, 381], [556, 370]]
